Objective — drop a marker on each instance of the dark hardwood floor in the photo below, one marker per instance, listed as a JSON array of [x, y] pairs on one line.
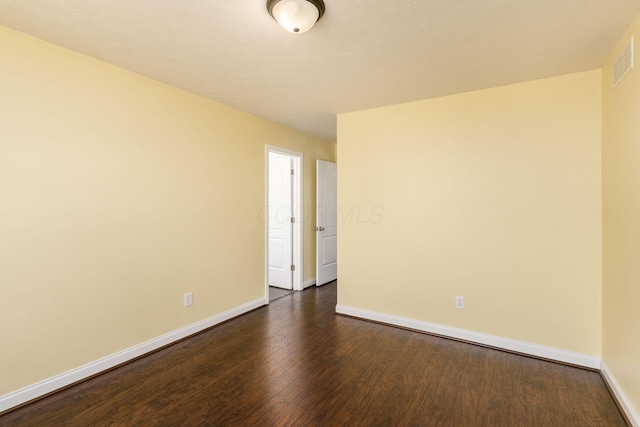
[[297, 363]]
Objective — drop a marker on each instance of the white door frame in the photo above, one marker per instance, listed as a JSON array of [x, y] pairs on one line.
[[298, 213]]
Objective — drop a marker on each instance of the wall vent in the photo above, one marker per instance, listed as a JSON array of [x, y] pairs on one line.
[[623, 63]]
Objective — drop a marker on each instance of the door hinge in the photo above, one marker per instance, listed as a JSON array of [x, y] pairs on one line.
[[293, 220], [293, 267], [293, 172]]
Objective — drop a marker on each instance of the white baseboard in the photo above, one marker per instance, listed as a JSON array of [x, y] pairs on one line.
[[476, 337], [621, 397], [49, 385], [308, 283]]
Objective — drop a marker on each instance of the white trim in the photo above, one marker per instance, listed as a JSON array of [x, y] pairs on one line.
[[298, 227], [49, 385], [621, 397], [476, 337], [309, 283]]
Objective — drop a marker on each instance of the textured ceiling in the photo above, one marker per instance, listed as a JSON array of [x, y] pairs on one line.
[[362, 54]]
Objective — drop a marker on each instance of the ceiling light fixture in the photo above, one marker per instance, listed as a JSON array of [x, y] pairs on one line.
[[296, 16]]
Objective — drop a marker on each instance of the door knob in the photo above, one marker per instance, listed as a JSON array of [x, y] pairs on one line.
[[319, 228]]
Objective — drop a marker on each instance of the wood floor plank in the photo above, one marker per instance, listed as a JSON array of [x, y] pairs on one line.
[[295, 363]]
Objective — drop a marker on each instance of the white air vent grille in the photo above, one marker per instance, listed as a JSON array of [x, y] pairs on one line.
[[623, 63]]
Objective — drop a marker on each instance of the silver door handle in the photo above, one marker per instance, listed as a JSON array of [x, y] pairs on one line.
[[319, 228]]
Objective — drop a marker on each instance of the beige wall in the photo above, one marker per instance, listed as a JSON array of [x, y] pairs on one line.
[[494, 195], [119, 194], [621, 223]]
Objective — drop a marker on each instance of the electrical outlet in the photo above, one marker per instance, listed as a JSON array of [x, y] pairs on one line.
[[188, 299], [460, 303]]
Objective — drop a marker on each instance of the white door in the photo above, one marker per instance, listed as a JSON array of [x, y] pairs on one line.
[[326, 222], [280, 226]]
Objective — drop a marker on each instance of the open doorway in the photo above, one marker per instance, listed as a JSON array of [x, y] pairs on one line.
[[284, 219]]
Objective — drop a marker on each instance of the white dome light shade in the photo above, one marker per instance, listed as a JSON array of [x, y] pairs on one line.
[[296, 16]]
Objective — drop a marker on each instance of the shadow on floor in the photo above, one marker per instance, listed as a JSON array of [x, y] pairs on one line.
[[276, 293]]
